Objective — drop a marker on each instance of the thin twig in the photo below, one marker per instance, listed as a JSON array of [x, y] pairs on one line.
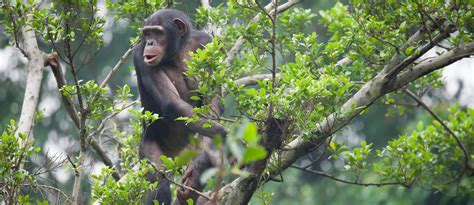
[[119, 64], [102, 124], [7, 7], [240, 42], [343, 180], [71, 162], [96, 145], [370, 34], [314, 161], [83, 116], [183, 186], [59, 191], [253, 79], [458, 141]]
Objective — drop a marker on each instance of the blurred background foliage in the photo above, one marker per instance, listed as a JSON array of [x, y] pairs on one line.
[[55, 131]]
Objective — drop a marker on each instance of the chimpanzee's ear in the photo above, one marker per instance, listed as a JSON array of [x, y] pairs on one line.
[[181, 26]]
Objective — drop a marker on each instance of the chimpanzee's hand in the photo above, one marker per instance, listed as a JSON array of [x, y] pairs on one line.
[[190, 178]]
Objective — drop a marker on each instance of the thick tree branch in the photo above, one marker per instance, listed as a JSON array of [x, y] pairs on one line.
[[206, 4], [253, 80], [369, 92], [445, 30], [53, 62], [35, 67], [428, 28], [78, 173], [426, 67]]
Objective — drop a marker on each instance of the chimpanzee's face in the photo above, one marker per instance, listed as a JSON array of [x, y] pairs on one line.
[[154, 38], [164, 34]]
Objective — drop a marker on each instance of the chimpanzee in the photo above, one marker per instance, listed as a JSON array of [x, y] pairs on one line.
[[167, 38]]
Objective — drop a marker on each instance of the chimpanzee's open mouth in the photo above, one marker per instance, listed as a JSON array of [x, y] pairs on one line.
[[150, 58]]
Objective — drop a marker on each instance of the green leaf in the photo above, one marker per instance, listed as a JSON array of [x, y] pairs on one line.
[[195, 98], [253, 154], [419, 126], [250, 134], [185, 157], [167, 162], [410, 50]]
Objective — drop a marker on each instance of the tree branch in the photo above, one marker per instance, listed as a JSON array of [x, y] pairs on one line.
[[429, 27], [426, 67], [445, 30], [186, 187], [107, 118], [253, 79], [211, 28], [35, 67], [240, 42], [369, 92], [205, 4], [53, 62], [323, 174], [119, 64]]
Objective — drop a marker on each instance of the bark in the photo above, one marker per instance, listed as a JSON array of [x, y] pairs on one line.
[[388, 80], [31, 95], [53, 62], [78, 171], [370, 92], [35, 67]]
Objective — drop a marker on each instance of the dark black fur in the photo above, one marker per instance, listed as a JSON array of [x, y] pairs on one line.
[[156, 83], [165, 18]]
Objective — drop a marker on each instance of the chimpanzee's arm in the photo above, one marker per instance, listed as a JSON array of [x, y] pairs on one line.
[[164, 92]]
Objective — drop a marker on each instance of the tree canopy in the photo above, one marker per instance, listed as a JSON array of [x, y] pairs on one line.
[[293, 77]]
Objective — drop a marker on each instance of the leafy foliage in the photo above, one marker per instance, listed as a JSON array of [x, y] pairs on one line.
[[430, 156], [308, 79], [134, 186], [134, 11], [12, 154]]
